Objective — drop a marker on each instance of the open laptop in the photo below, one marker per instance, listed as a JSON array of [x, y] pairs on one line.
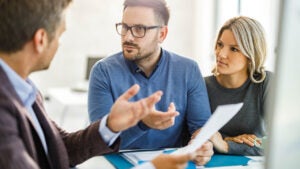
[[83, 86]]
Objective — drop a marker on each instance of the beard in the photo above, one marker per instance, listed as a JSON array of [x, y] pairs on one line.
[[130, 54]]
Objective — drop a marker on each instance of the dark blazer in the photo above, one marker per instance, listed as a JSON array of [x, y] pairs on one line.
[[20, 146]]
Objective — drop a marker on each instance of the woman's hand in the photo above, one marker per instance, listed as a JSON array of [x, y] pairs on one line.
[[249, 139], [219, 144]]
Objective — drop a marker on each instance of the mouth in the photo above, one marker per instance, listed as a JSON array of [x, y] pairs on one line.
[[220, 63], [129, 47]]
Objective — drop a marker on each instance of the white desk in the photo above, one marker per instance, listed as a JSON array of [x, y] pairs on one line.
[[69, 103], [100, 162], [67, 96]]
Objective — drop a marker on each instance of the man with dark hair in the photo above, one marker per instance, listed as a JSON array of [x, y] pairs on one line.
[[29, 36], [142, 61]]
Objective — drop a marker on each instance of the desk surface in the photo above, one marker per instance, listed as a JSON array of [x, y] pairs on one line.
[[67, 96], [100, 162]]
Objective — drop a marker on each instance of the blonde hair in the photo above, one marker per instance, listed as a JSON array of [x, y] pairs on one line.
[[250, 38]]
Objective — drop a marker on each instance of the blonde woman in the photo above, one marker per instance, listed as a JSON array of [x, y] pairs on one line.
[[239, 76]]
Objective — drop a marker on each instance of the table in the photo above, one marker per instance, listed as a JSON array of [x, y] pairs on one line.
[[100, 162], [67, 102]]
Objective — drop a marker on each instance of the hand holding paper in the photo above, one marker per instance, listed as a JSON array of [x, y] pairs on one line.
[[218, 119]]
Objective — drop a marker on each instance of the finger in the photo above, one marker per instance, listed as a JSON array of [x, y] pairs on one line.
[[258, 141], [252, 136], [209, 145], [206, 150], [167, 124], [163, 116], [201, 160], [171, 107], [148, 103], [153, 98], [235, 139], [132, 91], [248, 142]]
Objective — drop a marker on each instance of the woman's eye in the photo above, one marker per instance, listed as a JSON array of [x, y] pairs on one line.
[[234, 49], [219, 44]]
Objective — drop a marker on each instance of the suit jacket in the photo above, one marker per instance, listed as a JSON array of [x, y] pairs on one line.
[[20, 146]]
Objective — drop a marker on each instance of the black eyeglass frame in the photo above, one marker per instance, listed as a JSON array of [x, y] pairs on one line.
[[130, 28]]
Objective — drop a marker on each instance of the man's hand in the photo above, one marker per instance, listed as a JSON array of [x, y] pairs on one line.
[[125, 114], [171, 161], [161, 120]]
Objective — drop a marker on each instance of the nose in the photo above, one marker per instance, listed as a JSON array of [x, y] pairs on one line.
[[128, 36], [223, 53]]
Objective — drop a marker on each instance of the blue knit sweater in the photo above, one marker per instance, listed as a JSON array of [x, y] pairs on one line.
[[181, 82]]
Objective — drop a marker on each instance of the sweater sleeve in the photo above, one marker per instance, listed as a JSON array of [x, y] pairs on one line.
[[237, 148]]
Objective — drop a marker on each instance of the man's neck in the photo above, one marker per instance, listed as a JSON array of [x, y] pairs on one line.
[[148, 64], [16, 64]]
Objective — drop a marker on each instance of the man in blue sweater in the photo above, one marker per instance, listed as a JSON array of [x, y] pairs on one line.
[[184, 106]]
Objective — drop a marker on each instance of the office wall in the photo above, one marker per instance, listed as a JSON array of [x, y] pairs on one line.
[[91, 31]]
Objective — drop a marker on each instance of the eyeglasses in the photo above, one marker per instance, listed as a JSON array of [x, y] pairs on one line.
[[137, 31]]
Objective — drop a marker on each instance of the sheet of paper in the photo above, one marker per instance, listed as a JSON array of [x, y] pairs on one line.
[[136, 157], [219, 118]]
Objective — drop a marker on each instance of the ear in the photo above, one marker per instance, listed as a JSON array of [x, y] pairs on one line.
[[163, 33], [40, 40]]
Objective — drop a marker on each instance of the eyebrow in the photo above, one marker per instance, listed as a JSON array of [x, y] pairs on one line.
[[133, 24], [229, 44], [234, 46]]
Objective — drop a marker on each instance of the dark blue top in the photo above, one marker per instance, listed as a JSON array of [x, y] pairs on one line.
[[250, 119], [181, 82]]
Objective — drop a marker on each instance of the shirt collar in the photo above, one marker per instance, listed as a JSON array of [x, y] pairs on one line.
[[25, 88]]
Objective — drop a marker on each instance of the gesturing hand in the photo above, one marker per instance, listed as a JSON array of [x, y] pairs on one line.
[[161, 120], [125, 114]]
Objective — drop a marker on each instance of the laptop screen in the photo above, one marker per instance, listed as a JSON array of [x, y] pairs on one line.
[[90, 62]]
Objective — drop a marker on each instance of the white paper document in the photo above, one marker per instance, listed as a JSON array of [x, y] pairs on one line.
[[218, 119], [138, 156]]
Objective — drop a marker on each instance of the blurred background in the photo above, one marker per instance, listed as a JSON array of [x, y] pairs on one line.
[[192, 28]]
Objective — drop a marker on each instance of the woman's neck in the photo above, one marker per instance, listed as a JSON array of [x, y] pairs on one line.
[[232, 81]]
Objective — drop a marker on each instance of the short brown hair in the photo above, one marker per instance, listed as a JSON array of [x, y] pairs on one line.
[[19, 20], [159, 7]]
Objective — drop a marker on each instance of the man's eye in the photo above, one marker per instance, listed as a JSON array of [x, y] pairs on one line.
[[138, 28]]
